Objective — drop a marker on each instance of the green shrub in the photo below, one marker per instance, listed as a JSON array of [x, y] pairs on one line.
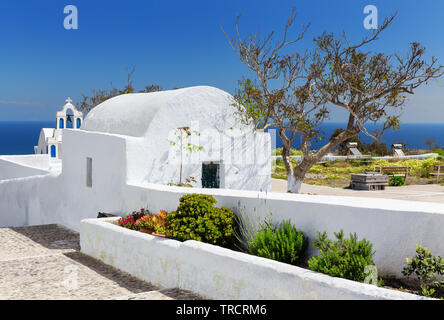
[[282, 243], [428, 269], [344, 258], [418, 168], [396, 181], [293, 152], [439, 151], [196, 218]]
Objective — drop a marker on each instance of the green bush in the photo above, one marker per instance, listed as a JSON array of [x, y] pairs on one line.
[[293, 152], [196, 218], [282, 243], [428, 269], [439, 151], [344, 258], [397, 181]]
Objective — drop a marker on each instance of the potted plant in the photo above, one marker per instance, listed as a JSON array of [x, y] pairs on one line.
[[145, 224], [159, 223]]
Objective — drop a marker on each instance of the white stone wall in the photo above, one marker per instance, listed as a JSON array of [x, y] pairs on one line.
[[64, 198], [343, 158], [12, 167], [24, 201], [244, 155], [215, 272], [394, 227], [38, 161], [243, 165]]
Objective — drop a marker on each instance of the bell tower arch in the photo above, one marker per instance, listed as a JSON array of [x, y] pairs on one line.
[[69, 116]]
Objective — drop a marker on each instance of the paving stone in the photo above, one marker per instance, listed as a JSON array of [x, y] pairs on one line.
[[44, 262]]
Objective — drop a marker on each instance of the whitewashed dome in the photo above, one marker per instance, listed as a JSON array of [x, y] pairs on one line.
[[132, 114]]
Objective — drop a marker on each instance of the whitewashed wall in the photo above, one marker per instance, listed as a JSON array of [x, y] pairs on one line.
[[150, 160], [23, 166], [393, 226], [39, 161], [64, 198], [244, 156], [209, 270], [23, 201]]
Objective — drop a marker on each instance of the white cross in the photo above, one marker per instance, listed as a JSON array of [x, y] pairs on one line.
[[68, 100]]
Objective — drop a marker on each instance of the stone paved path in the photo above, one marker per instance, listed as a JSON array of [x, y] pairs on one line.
[[44, 262]]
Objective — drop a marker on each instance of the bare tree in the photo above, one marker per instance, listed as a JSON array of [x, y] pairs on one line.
[[268, 102], [334, 74]]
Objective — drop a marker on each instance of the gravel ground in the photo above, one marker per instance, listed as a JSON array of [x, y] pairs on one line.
[[45, 262]]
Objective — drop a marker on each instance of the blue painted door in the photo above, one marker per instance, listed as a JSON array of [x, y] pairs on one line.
[[53, 151]]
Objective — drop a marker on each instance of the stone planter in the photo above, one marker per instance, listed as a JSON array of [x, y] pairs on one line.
[[149, 231], [207, 269], [161, 235]]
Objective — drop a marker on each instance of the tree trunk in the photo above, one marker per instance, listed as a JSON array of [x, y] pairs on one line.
[[286, 153], [299, 172], [293, 184], [308, 160], [287, 160]]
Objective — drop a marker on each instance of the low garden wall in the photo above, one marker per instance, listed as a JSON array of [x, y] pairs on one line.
[[38, 161], [394, 227], [343, 158], [213, 271]]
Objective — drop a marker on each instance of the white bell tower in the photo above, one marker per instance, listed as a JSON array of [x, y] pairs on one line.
[[69, 114], [50, 140]]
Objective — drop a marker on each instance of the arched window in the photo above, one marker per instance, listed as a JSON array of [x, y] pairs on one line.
[[61, 125], [78, 123], [53, 151]]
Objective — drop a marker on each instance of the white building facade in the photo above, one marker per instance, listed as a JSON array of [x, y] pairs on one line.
[[190, 134]]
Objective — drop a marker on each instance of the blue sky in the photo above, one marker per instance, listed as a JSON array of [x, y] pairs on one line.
[[179, 44]]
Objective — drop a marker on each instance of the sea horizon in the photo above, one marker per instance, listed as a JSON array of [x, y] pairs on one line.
[[24, 135]]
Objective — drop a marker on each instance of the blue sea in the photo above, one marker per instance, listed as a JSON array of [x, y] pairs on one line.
[[413, 135], [21, 137]]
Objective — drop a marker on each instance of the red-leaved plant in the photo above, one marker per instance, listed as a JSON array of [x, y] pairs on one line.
[[130, 221]]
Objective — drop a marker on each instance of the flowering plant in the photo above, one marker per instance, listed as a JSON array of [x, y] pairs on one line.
[[130, 221]]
